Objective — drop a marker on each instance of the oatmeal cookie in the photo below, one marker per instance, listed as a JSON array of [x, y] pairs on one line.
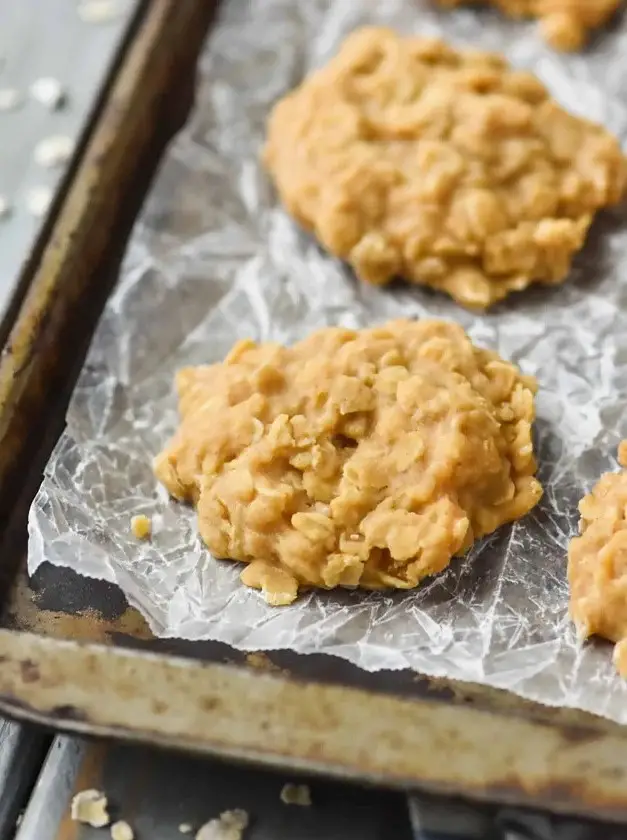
[[597, 563], [408, 158], [565, 24], [365, 458]]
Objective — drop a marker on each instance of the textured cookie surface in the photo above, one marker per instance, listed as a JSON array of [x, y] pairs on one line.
[[365, 458], [565, 24], [597, 563], [450, 169]]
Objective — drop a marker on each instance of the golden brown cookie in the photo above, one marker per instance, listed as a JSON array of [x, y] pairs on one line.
[[408, 158], [597, 563], [366, 458], [565, 24]]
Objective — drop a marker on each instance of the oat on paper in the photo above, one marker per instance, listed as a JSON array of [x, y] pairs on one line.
[[215, 259]]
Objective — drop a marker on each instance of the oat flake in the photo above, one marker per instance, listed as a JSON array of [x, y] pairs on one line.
[[292, 794], [49, 92], [229, 826], [99, 11], [90, 807], [54, 151], [141, 526]]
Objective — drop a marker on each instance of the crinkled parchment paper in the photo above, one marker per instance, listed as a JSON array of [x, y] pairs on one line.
[[214, 259]]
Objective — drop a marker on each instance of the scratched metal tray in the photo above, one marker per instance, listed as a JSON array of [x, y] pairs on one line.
[[75, 657]]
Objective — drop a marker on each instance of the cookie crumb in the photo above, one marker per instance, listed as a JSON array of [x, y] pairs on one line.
[[38, 201], [185, 828], [54, 151], [261, 661], [292, 794], [90, 808], [121, 830], [141, 526], [49, 92], [10, 99], [98, 11], [229, 826]]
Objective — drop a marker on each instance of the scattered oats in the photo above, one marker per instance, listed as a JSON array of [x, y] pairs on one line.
[[38, 200], [99, 11], [121, 830], [230, 826], [258, 429], [293, 794], [90, 807], [54, 150], [185, 828], [49, 92], [141, 526], [5, 207], [10, 99]]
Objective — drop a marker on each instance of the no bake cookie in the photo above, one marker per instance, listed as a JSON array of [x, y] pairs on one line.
[[564, 24], [406, 157], [597, 563], [352, 458]]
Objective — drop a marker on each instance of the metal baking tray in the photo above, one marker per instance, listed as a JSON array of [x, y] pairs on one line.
[[73, 656]]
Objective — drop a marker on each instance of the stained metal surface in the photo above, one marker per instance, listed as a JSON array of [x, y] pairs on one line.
[[313, 714]]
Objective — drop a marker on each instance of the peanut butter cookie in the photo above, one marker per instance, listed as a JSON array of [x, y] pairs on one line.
[[408, 158], [597, 563], [565, 24], [364, 458]]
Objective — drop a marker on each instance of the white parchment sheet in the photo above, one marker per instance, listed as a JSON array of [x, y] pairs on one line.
[[214, 258]]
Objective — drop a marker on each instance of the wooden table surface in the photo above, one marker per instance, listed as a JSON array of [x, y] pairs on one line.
[[45, 38]]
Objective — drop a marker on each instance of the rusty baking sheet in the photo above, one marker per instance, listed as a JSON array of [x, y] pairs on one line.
[[75, 657]]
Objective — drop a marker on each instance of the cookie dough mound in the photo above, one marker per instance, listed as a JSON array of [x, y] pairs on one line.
[[565, 24], [365, 458], [408, 158], [597, 563]]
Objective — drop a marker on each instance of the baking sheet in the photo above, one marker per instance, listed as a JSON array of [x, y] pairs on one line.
[[214, 259]]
